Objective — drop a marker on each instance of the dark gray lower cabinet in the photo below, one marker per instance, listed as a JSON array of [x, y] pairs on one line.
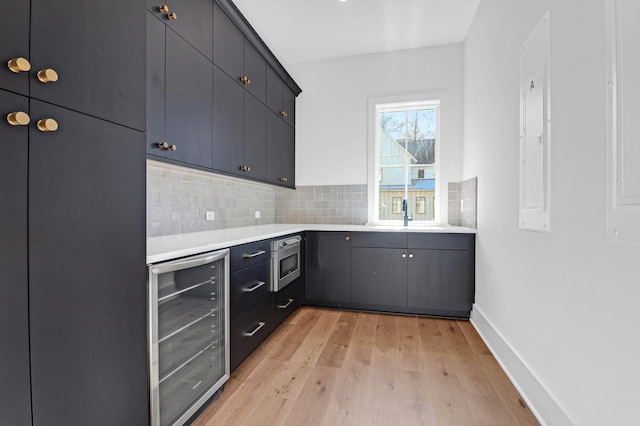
[[15, 396], [417, 273], [87, 275], [379, 277], [328, 268]]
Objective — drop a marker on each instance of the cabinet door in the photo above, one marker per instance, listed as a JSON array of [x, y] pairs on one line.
[[156, 79], [15, 395], [194, 23], [288, 153], [87, 271], [379, 276], [255, 68], [228, 45], [289, 106], [439, 280], [274, 91], [274, 147], [98, 51], [228, 109], [14, 43], [340, 276], [189, 102], [318, 266], [255, 140]]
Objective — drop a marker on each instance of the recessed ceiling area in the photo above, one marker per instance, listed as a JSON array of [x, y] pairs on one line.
[[310, 30]]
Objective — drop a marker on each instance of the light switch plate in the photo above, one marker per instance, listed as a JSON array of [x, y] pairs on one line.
[[210, 216], [257, 214]]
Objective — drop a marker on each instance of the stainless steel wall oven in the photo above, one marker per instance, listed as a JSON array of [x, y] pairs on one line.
[[188, 334], [285, 261]]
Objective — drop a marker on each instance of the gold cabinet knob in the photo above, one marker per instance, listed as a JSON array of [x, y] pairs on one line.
[[164, 8], [245, 168], [284, 113], [245, 79], [19, 65], [284, 179], [172, 15], [47, 125], [347, 238], [166, 147], [18, 118], [47, 75]]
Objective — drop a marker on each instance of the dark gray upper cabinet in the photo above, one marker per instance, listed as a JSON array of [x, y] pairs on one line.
[[14, 44], [255, 144], [95, 51], [228, 45], [15, 386], [87, 271], [280, 98], [192, 20], [236, 56], [280, 152], [189, 102], [228, 123], [255, 69], [156, 86]]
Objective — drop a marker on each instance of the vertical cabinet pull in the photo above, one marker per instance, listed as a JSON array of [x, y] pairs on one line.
[[172, 16], [18, 118], [164, 8], [245, 80], [19, 65], [255, 330]]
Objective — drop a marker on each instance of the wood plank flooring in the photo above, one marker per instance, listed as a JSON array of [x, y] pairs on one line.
[[331, 367]]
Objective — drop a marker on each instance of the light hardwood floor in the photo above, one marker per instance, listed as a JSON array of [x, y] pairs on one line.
[[332, 367]]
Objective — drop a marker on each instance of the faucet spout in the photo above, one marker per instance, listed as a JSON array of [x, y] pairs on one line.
[[405, 210]]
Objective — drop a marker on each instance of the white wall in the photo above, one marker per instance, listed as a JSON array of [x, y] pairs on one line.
[[331, 112], [565, 303]]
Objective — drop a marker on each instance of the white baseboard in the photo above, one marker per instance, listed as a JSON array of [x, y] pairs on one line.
[[542, 403]]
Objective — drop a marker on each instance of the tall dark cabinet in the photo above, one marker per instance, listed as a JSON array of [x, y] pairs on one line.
[[72, 252]]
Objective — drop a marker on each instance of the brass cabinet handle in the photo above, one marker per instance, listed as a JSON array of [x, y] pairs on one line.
[[347, 238], [164, 8], [166, 147], [284, 113], [245, 168], [19, 65], [47, 75], [18, 118], [47, 125], [284, 179], [245, 79], [172, 15]]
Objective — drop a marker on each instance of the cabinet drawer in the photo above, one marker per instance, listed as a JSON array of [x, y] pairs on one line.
[[249, 331], [249, 254], [249, 287], [379, 239], [441, 241], [286, 301]]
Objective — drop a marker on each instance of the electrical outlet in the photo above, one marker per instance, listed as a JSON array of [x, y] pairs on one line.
[[257, 214], [210, 216]]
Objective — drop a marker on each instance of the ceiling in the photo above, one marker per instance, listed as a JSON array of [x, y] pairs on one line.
[[309, 30]]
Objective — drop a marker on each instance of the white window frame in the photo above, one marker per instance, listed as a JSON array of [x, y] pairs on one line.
[[409, 102]]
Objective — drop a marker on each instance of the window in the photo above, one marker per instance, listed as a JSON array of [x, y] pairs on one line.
[[406, 152]]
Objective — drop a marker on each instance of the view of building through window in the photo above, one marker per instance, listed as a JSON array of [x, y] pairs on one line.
[[407, 137]]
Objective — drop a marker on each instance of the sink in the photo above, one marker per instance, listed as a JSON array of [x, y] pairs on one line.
[[408, 228]]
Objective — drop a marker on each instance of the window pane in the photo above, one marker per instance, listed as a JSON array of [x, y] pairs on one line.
[[406, 158]]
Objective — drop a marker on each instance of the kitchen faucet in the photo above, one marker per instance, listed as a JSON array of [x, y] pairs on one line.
[[405, 210]]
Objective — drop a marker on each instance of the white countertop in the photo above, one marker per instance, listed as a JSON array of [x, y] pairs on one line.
[[170, 247]]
